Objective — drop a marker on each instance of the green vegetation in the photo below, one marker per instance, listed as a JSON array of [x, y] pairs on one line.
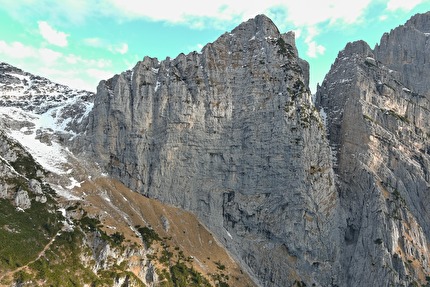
[[93, 224], [61, 265], [219, 265], [89, 223], [396, 115], [117, 238], [366, 117], [284, 48], [182, 275], [148, 235], [24, 234]]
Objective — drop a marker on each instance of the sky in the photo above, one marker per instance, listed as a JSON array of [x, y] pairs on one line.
[[80, 42]]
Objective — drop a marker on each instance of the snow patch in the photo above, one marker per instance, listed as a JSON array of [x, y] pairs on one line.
[[323, 115], [51, 157], [157, 85], [66, 194], [73, 183], [229, 235]]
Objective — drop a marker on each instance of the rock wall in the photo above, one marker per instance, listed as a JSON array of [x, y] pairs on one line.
[[377, 111], [232, 135], [335, 198]]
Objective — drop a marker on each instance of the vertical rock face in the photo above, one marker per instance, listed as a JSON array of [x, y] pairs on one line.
[[377, 109], [231, 134]]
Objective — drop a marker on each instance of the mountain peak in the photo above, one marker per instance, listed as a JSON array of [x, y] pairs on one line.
[[420, 22], [260, 24]]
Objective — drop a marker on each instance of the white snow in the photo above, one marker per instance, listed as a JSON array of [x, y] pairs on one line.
[[8, 165], [67, 224], [61, 191], [21, 77], [229, 235], [73, 183], [51, 157], [323, 115], [157, 85]]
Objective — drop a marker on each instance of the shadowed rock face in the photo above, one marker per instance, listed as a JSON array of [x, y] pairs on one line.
[[231, 134], [377, 107]]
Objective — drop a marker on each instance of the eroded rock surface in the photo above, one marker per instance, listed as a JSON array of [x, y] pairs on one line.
[[377, 111], [232, 135]]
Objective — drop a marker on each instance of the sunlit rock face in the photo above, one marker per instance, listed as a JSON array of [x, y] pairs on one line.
[[376, 104], [333, 194], [232, 135]]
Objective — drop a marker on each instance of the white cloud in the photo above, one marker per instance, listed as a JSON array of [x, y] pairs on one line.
[[201, 13], [94, 42], [17, 50], [51, 35], [49, 56], [99, 74], [314, 49], [69, 69], [222, 14], [408, 5], [121, 48], [383, 17]]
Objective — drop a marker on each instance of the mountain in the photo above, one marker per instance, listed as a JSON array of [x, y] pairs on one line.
[[65, 222], [231, 135], [377, 110], [218, 169]]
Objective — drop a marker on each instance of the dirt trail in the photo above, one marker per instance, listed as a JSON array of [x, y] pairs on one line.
[[9, 274]]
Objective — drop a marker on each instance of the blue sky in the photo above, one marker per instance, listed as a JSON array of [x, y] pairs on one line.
[[80, 42]]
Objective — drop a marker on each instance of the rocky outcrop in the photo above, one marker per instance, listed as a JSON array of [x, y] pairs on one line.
[[16, 165], [232, 135], [376, 105], [22, 200]]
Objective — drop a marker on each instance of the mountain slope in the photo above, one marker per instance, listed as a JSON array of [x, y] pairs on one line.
[[377, 111], [64, 222]]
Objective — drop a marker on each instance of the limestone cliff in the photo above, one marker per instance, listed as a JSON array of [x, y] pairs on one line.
[[376, 104], [230, 134], [335, 198]]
